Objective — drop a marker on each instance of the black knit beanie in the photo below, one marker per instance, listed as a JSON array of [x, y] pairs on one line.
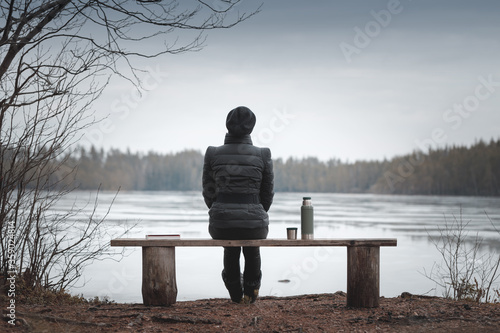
[[240, 121]]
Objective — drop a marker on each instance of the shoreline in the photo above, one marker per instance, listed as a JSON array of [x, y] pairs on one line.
[[303, 313]]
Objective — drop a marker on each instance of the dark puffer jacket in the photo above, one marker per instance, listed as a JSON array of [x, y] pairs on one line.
[[238, 170]]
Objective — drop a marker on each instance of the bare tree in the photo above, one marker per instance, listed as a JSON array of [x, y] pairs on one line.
[[467, 270], [56, 58]]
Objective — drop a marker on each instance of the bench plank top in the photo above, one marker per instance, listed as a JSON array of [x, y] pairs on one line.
[[253, 242]]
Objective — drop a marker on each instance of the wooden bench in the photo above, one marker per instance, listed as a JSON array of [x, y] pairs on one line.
[[159, 286]]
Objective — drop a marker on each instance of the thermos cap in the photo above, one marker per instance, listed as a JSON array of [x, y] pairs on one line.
[[306, 198]]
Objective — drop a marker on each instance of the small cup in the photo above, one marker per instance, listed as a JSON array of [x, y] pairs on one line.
[[291, 233]]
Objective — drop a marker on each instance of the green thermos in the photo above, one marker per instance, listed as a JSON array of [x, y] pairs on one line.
[[307, 218]]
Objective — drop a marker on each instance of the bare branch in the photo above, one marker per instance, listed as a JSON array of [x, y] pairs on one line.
[[56, 58]]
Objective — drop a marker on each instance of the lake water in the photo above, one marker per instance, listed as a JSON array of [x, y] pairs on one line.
[[410, 219]]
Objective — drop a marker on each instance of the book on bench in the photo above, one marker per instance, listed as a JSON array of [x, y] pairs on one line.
[[165, 236]]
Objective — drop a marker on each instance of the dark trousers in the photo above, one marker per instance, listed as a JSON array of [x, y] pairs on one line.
[[232, 273]]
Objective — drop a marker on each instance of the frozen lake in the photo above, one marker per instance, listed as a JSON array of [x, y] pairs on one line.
[[410, 219]]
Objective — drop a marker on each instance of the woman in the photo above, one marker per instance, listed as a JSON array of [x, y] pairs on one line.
[[238, 190]]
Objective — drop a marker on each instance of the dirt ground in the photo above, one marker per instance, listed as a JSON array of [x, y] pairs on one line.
[[307, 313]]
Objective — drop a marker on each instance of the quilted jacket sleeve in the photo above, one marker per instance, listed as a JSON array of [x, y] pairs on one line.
[[208, 180], [267, 185]]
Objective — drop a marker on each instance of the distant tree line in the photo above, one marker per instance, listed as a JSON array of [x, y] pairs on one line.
[[455, 170], [136, 172]]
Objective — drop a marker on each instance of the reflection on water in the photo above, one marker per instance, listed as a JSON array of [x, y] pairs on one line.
[[411, 219]]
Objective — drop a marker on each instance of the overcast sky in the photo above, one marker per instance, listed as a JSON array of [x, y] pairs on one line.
[[355, 80]]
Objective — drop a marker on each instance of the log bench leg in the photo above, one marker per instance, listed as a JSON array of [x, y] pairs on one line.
[[363, 270], [159, 286]]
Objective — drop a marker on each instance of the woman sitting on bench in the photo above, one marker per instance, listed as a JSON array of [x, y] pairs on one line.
[[238, 189]]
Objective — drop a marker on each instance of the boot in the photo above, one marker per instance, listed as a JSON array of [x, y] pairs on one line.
[[250, 299], [234, 288], [251, 290]]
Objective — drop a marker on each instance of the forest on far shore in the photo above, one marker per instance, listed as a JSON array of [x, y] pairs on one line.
[[455, 170]]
